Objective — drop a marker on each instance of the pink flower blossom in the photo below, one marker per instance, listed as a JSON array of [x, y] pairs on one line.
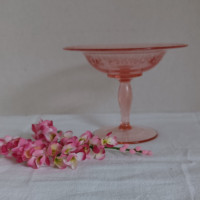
[[68, 134], [73, 139], [85, 137], [145, 152], [28, 150], [132, 151], [12, 143], [95, 140], [73, 159], [96, 149], [36, 162], [138, 148], [45, 130], [124, 147], [109, 141], [31, 149], [50, 135], [4, 149], [100, 153], [38, 159], [85, 148], [17, 147], [54, 149], [68, 148], [2, 141], [59, 162], [36, 128], [8, 138]]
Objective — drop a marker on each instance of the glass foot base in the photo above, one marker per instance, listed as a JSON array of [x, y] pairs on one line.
[[132, 136]]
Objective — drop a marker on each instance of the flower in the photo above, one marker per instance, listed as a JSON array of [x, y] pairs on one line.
[[54, 149], [109, 141], [58, 148], [68, 134], [71, 147], [95, 140], [138, 148], [50, 136], [4, 150], [8, 138], [124, 147], [45, 130], [37, 128], [72, 139], [59, 162], [98, 152], [16, 147], [73, 159], [145, 152], [132, 151], [38, 159], [85, 137], [85, 148]]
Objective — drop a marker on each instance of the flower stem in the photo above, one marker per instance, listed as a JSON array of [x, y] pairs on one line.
[[118, 148]]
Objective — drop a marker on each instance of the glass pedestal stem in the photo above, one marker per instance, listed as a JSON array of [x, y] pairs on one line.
[[125, 101], [125, 133]]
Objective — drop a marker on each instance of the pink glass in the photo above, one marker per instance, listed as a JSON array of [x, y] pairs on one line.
[[125, 62]]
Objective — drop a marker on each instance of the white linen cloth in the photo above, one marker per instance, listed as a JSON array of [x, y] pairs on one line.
[[173, 172]]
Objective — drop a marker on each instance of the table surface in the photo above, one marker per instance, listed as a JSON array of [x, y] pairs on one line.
[[173, 172]]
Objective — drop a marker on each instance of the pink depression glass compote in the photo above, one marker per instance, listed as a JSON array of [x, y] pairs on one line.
[[125, 62]]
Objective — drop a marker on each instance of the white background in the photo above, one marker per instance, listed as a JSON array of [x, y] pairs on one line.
[[38, 77]]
